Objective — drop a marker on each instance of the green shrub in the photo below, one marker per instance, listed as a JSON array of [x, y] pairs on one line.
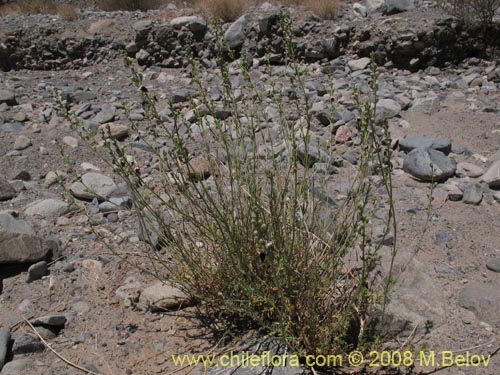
[[255, 235]]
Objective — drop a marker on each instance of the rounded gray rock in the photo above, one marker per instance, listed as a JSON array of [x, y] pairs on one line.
[[412, 143], [429, 165]]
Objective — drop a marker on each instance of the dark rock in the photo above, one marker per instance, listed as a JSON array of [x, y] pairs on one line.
[[24, 344]]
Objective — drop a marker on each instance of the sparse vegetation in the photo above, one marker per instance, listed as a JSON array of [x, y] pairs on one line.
[[227, 10], [244, 222], [472, 11]]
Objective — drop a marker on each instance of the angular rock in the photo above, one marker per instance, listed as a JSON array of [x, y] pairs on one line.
[[453, 192], [54, 320], [235, 34], [358, 64], [24, 344], [22, 142], [6, 190], [4, 345], [426, 105], [418, 164], [387, 108], [473, 194], [492, 175], [411, 143], [93, 185], [7, 97], [106, 115], [483, 300], [19, 244], [48, 208], [37, 271], [163, 296]]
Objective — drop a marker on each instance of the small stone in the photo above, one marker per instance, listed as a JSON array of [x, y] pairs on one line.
[[473, 194], [343, 134], [387, 108], [54, 320], [106, 115], [493, 264], [37, 271], [22, 176], [93, 185], [198, 169], [46, 333], [358, 64], [492, 175], [22, 142], [426, 105], [163, 296], [142, 56], [53, 177], [71, 141], [114, 131], [48, 208], [453, 192], [469, 170]]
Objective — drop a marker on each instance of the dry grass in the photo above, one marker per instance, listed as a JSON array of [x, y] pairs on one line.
[[26, 7], [324, 9], [230, 10], [128, 5], [227, 10]]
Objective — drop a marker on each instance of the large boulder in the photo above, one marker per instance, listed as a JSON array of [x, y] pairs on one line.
[[19, 243], [429, 165]]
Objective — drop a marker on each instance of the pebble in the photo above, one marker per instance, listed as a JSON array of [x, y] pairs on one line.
[[493, 264], [37, 271], [22, 142]]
